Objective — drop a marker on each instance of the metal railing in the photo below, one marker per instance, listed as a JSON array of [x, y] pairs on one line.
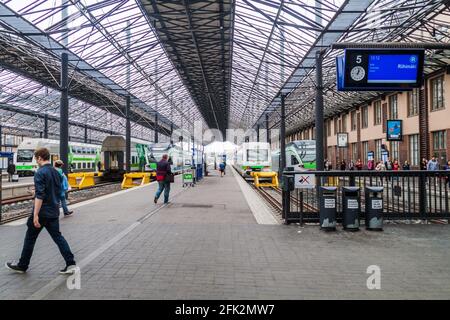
[[407, 195]]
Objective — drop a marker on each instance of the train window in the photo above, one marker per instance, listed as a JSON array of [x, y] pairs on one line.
[[294, 160], [79, 165], [84, 165]]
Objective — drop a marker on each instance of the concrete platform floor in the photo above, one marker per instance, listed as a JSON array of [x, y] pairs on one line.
[[207, 244]]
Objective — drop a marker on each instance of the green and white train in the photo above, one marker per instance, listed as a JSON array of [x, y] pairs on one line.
[[82, 156]]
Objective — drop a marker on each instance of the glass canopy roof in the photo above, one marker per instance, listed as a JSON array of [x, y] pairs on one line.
[[119, 50]]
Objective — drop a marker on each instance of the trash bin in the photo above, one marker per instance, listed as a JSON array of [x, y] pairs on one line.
[[374, 208], [328, 208], [350, 208]]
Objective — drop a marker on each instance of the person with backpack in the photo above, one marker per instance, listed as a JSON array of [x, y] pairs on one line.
[[45, 214], [65, 187], [164, 176]]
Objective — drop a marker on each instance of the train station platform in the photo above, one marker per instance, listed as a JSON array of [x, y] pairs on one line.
[[208, 243]]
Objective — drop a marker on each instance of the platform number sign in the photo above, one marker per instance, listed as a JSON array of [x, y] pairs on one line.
[[304, 181], [380, 69]]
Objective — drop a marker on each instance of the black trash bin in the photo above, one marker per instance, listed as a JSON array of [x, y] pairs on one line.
[[350, 208], [374, 208], [328, 208]]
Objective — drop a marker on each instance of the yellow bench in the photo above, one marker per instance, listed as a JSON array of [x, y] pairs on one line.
[[81, 180], [258, 175], [130, 178]]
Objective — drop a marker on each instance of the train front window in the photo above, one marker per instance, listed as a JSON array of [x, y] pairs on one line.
[[25, 155], [257, 154]]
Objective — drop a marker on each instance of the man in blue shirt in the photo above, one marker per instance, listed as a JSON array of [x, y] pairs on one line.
[[47, 184], [222, 169], [433, 165]]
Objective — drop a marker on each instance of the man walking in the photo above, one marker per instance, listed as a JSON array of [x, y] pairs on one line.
[[47, 184], [163, 176]]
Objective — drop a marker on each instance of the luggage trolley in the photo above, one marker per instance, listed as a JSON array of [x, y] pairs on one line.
[[188, 175]]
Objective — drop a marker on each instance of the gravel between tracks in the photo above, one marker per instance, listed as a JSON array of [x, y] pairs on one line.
[[21, 208]]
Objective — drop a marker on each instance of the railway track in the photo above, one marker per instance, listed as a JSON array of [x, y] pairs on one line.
[[31, 197]]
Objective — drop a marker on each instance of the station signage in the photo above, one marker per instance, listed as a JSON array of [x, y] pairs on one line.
[[342, 140], [394, 130], [304, 181], [380, 69]]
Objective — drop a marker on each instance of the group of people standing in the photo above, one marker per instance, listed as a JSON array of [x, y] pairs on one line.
[[430, 165]]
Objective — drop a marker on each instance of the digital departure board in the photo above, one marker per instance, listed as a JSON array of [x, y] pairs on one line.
[[380, 69]]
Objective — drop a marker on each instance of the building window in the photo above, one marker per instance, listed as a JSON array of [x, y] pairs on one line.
[[394, 154], [440, 146], [355, 151], [439, 140], [437, 93], [377, 112], [414, 149], [353, 121], [365, 149], [413, 102], [344, 123], [365, 117], [393, 107], [378, 150]]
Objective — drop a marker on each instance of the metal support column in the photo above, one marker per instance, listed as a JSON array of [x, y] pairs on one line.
[[156, 128], [257, 133], [171, 133], [46, 126], [285, 193], [1, 176], [282, 136], [267, 128], [64, 113], [128, 136], [319, 112], [85, 134]]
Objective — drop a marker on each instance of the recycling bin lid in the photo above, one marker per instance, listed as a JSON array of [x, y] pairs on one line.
[[374, 189], [328, 188], [350, 189]]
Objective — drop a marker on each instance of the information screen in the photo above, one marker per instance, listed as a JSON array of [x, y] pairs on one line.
[[380, 69], [393, 68]]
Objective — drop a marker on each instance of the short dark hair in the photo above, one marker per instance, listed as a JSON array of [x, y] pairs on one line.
[[43, 153]]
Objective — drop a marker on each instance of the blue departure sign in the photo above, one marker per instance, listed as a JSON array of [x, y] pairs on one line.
[[380, 69], [394, 68]]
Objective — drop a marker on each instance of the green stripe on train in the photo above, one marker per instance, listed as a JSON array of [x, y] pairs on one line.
[[309, 165], [83, 159], [24, 167], [253, 167]]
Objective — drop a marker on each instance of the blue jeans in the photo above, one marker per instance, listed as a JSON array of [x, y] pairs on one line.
[[64, 205], [163, 186], [52, 226]]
